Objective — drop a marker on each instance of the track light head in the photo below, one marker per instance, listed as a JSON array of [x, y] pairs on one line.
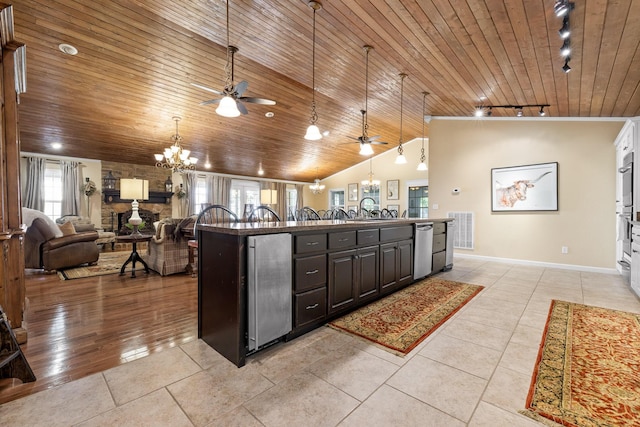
[[565, 31], [542, 113], [518, 111], [479, 112], [489, 112], [565, 50], [566, 67], [561, 8]]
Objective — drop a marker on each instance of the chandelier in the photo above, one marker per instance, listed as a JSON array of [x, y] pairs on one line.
[[316, 187], [175, 157], [370, 185]]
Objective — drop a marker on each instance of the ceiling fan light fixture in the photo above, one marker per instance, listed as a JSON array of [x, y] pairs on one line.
[[228, 107], [366, 149]]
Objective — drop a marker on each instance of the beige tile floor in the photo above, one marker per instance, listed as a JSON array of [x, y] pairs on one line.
[[475, 370]]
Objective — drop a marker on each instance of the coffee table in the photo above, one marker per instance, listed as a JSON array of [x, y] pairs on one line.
[[134, 257]]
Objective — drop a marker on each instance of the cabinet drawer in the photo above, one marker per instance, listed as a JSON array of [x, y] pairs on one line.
[[342, 240], [439, 261], [367, 237], [439, 228], [310, 306], [439, 242], [396, 233], [310, 243], [310, 272]]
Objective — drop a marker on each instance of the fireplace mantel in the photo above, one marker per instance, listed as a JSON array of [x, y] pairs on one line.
[[113, 196]]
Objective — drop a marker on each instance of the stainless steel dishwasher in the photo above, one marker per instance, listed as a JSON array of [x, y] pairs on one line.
[[422, 249], [269, 309]]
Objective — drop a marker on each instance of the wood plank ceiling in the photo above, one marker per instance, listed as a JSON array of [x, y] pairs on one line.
[[137, 59]]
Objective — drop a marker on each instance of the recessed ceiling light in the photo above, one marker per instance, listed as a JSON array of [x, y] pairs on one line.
[[326, 133], [56, 145], [68, 49], [269, 114]]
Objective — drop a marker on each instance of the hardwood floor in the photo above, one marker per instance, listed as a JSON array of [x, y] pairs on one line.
[[83, 326]]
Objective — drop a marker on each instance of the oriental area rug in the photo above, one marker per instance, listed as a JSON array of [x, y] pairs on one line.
[[405, 318], [108, 263], [588, 368]]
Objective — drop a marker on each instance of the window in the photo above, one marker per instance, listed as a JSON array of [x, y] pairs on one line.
[[200, 193], [373, 194], [336, 199], [418, 202], [244, 195], [53, 190]]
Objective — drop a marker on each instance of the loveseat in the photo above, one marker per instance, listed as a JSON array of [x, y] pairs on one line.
[[168, 252], [44, 248]]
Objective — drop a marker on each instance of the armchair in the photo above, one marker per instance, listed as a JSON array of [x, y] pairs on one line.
[[168, 252], [42, 249]]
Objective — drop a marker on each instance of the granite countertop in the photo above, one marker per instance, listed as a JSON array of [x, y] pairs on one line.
[[253, 228]]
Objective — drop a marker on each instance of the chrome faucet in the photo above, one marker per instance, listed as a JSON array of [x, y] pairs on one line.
[[362, 201]]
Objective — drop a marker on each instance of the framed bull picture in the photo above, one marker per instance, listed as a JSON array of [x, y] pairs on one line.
[[525, 188]]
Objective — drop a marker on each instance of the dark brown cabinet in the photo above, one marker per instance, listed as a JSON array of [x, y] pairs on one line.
[[396, 265], [353, 276], [309, 279], [439, 247]]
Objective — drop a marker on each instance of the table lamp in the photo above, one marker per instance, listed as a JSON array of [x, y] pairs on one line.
[[134, 189]]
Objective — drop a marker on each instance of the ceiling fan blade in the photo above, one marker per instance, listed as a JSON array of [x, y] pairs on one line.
[[261, 101], [378, 142], [373, 138], [208, 89], [240, 88], [241, 107], [209, 102], [358, 139]]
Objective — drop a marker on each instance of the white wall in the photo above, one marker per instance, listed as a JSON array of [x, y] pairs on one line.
[[463, 152]]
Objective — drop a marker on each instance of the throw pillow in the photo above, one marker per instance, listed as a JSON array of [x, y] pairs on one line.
[[28, 215], [67, 228]]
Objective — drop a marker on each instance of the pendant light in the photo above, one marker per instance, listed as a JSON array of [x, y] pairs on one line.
[[228, 106], [401, 159], [422, 166], [313, 133]]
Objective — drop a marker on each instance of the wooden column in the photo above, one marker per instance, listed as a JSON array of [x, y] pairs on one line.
[[12, 68]]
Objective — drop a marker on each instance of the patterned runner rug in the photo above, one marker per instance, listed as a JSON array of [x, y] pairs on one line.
[[588, 368], [404, 319], [108, 263]]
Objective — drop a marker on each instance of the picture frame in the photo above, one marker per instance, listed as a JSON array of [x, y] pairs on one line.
[[392, 189], [525, 188], [352, 190]]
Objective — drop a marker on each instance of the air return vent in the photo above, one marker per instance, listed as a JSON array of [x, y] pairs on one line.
[[463, 231]]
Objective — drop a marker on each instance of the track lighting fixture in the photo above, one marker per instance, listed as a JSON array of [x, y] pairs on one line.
[[481, 110], [563, 8]]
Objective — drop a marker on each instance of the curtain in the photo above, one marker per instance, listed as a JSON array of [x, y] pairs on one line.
[[190, 180], [299, 196], [34, 196], [70, 188], [281, 188], [218, 189]]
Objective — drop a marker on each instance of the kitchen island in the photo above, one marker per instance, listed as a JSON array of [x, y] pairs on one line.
[[334, 266]]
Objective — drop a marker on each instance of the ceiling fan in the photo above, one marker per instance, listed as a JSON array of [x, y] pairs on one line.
[[365, 140], [231, 103]]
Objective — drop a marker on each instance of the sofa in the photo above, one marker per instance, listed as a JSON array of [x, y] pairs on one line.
[[48, 249], [168, 252], [84, 224]]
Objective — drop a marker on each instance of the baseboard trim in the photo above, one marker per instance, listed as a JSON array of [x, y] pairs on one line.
[[539, 264]]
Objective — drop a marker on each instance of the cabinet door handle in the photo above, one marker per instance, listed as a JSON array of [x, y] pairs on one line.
[[344, 239], [311, 307], [312, 243], [312, 271]]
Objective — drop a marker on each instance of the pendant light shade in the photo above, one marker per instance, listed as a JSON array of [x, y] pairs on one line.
[[228, 107], [422, 166], [366, 149], [313, 133], [401, 159]]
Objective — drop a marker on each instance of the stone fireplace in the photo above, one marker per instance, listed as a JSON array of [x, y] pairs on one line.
[[148, 218]]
